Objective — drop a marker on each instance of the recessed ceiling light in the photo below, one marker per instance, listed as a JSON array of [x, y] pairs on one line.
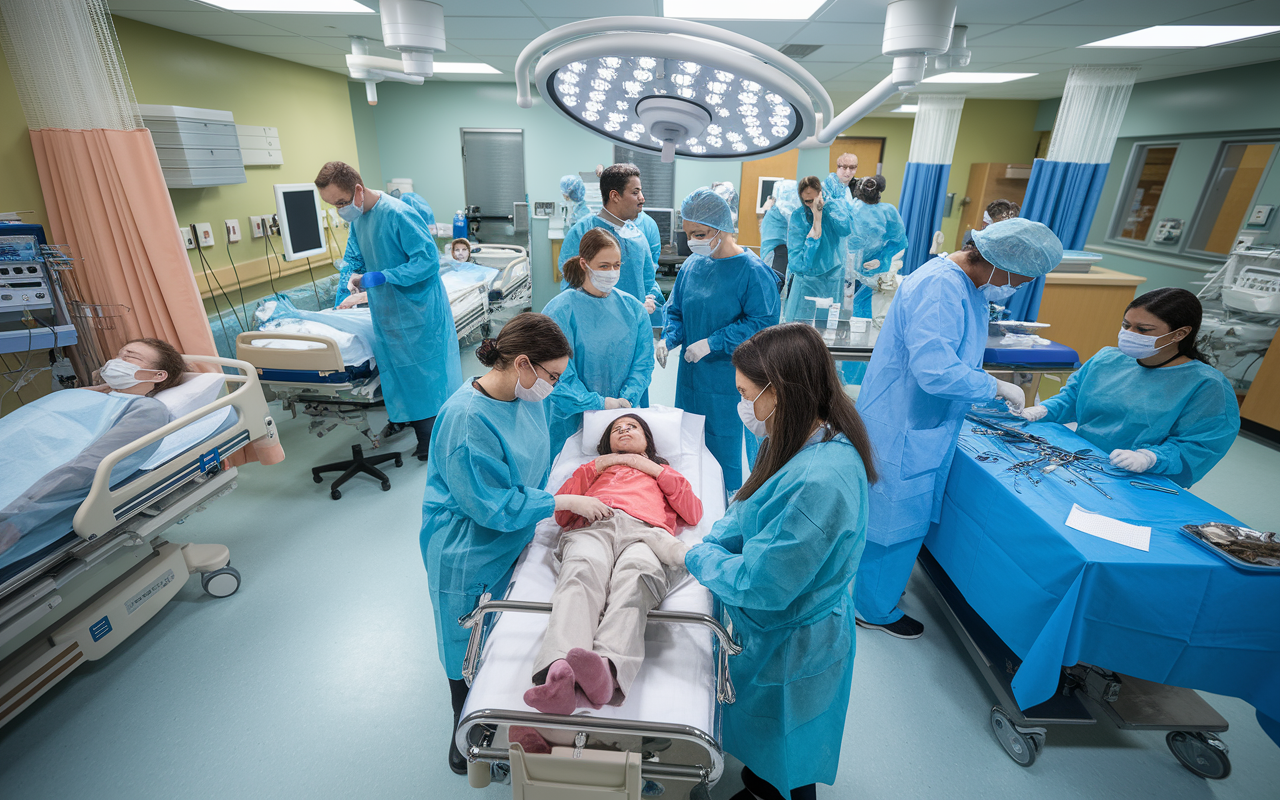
[[464, 67], [905, 109], [292, 6], [979, 77], [1181, 36], [740, 9]]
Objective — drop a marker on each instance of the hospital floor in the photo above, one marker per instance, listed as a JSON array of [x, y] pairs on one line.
[[319, 678]]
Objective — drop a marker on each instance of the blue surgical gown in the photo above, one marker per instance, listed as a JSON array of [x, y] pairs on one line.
[[639, 270], [651, 234], [486, 490], [773, 232], [781, 562], [416, 343], [725, 301], [353, 263], [612, 343], [925, 372], [578, 212], [878, 231], [1186, 414], [815, 267]]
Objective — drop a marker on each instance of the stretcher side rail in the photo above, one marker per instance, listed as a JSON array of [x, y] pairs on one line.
[[724, 684]]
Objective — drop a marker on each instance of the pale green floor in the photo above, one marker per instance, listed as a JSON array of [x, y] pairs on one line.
[[319, 679]]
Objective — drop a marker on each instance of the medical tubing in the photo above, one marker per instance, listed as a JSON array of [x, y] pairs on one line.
[[267, 250], [314, 290], [209, 273], [236, 272]]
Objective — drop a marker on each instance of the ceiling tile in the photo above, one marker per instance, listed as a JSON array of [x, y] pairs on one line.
[[489, 47], [841, 33], [771, 33], [524, 28], [298, 45], [1139, 14], [842, 53], [826, 71], [589, 9], [866, 11], [369, 25], [483, 8], [155, 5], [1003, 12], [1000, 55], [1256, 12], [1049, 35], [1215, 57], [337, 62], [203, 23]]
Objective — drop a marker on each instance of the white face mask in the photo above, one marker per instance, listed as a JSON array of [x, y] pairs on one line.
[[747, 413], [704, 248], [120, 374], [604, 279], [539, 391], [1139, 345], [353, 210], [996, 294]]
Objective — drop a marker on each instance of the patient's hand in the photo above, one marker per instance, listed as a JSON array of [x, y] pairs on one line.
[[354, 300], [589, 508], [610, 460], [633, 460]]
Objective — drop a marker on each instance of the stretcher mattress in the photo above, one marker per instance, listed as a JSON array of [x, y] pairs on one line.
[[676, 685]]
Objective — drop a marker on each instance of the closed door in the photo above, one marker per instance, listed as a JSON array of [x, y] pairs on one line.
[[493, 179]]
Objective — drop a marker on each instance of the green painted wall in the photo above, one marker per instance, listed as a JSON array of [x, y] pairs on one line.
[[22, 182], [366, 136]]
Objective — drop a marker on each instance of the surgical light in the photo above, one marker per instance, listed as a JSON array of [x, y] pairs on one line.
[[1185, 36]]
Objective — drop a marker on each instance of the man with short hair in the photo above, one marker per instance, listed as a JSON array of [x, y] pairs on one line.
[[415, 342], [623, 201], [846, 168]]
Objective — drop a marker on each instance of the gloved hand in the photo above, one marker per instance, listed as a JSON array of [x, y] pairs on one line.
[[373, 279], [669, 550], [353, 283], [886, 282], [1034, 413], [354, 300], [865, 276], [935, 247], [660, 353], [650, 305], [1012, 395], [589, 508], [895, 263], [697, 351], [611, 403], [1133, 460]]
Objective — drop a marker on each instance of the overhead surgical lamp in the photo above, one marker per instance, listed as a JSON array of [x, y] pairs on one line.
[[413, 28], [676, 86]]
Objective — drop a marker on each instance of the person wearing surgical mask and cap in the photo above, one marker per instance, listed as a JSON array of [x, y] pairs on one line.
[[1152, 402], [574, 192], [723, 295], [925, 373], [783, 202]]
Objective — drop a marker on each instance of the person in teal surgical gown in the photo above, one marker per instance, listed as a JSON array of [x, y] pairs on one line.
[[723, 294], [781, 560], [1153, 403], [878, 237], [816, 246], [783, 202], [926, 371], [574, 192], [353, 263]]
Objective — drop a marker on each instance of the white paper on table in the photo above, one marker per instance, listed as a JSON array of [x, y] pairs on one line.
[[1113, 530]]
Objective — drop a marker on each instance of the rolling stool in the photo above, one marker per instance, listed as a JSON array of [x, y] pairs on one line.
[[359, 463]]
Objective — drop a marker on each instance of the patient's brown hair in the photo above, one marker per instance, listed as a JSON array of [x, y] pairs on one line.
[[605, 448]]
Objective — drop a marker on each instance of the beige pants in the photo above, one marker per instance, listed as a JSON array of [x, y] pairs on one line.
[[608, 580]]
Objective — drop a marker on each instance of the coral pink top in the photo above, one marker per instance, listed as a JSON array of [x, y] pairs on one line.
[[660, 501]]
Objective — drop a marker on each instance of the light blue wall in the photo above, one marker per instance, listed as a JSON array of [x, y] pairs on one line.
[[814, 162], [366, 136]]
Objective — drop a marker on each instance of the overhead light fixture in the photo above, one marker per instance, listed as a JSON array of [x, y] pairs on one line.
[[292, 6], [979, 77], [705, 92], [464, 68], [412, 28], [741, 9], [905, 109], [1185, 36]]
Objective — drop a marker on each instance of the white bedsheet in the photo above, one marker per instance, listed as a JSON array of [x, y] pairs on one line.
[[355, 350], [676, 685]]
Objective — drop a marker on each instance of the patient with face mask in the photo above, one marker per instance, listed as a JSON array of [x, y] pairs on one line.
[[608, 577], [52, 446]]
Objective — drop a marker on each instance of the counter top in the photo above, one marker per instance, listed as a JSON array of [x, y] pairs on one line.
[[1096, 276]]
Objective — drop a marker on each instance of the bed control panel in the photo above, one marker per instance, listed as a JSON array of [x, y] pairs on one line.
[[24, 284]]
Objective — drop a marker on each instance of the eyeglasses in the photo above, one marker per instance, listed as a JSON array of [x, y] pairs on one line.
[[553, 376]]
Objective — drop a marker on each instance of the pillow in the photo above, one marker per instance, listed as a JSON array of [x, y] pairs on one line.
[[664, 423], [196, 390]]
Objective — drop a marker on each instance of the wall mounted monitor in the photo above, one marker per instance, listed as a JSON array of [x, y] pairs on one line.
[[301, 220]]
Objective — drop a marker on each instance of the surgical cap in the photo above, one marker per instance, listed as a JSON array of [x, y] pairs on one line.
[[705, 207], [572, 187], [786, 197], [1020, 246]]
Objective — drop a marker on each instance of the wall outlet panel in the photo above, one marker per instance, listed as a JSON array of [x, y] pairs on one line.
[[188, 241], [258, 226], [204, 234], [233, 230]]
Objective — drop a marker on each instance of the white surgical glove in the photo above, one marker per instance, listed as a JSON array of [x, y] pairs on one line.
[[615, 402], [1012, 395], [660, 353], [1133, 460], [887, 282], [864, 275], [352, 286], [697, 351], [1034, 413], [589, 508], [649, 304], [669, 550]]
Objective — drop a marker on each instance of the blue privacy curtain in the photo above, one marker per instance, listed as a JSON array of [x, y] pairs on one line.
[[924, 184], [1064, 188]]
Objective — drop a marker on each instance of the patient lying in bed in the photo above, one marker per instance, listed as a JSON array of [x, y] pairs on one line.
[[608, 577]]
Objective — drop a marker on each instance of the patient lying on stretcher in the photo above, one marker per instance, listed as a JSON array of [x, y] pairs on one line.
[[608, 577]]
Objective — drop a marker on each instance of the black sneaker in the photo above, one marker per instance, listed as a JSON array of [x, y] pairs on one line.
[[457, 762], [393, 429], [905, 628]]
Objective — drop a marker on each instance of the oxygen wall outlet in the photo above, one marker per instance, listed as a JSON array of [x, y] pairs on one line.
[[204, 234], [233, 230], [188, 241], [258, 225]]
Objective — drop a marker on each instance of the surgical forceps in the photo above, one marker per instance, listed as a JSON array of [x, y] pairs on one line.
[[1153, 487]]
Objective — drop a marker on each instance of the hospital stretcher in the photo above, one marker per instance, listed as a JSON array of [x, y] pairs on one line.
[[80, 593], [665, 736], [1067, 628]]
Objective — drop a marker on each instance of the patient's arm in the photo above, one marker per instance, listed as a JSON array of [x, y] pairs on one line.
[[680, 495], [578, 483]]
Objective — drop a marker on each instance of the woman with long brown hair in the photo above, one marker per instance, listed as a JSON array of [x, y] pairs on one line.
[[781, 561]]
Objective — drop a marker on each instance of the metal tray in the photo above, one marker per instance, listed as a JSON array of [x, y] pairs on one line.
[[1225, 556]]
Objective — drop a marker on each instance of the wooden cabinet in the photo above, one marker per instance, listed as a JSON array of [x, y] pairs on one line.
[[1084, 310], [1262, 403], [555, 259], [987, 183]]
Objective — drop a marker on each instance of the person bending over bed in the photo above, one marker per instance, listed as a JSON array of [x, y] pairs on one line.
[[608, 567], [55, 443]]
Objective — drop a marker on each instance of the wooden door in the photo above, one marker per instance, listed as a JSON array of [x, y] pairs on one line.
[[870, 153], [989, 182], [1262, 403], [783, 165]]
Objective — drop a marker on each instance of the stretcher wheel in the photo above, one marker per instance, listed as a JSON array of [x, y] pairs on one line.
[[386, 486], [335, 494], [317, 478], [399, 461], [1022, 748], [1202, 753], [221, 582]]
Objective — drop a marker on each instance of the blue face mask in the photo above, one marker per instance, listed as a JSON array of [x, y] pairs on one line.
[[352, 211], [996, 294]]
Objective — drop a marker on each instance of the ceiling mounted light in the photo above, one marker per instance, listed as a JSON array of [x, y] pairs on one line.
[[703, 92], [905, 108], [1185, 36], [740, 9], [979, 77], [292, 6], [464, 68], [414, 29]]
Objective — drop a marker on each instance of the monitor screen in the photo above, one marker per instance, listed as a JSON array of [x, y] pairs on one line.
[[665, 217], [764, 191], [301, 226]]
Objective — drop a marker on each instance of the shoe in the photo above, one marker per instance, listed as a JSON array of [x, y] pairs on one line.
[[392, 429], [457, 762], [422, 453], [905, 628]]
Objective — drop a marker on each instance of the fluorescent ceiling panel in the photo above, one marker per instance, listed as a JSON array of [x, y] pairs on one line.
[[1185, 36], [740, 9], [978, 77], [463, 67], [292, 6], [905, 109]]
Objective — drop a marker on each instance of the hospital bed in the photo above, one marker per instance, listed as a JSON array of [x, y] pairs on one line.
[[664, 738], [71, 596]]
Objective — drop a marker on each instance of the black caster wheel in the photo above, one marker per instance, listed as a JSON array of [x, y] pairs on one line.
[[221, 582], [335, 494], [317, 479], [1021, 747], [399, 461], [1202, 753], [386, 486]]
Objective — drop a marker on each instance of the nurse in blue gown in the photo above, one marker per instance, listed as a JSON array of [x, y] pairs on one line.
[[781, 561], [1153, 403], [574, 192], [611, 337], [723, 294], [486, 483], [783, 202], [817, 245], [926, 371], [879, 237], [352, 262]]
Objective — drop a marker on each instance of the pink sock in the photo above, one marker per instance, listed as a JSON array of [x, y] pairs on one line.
[[556, 695], [593, 674], [529, 739]]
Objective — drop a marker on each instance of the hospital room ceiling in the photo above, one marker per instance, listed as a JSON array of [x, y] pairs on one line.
[[1038, 36]]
